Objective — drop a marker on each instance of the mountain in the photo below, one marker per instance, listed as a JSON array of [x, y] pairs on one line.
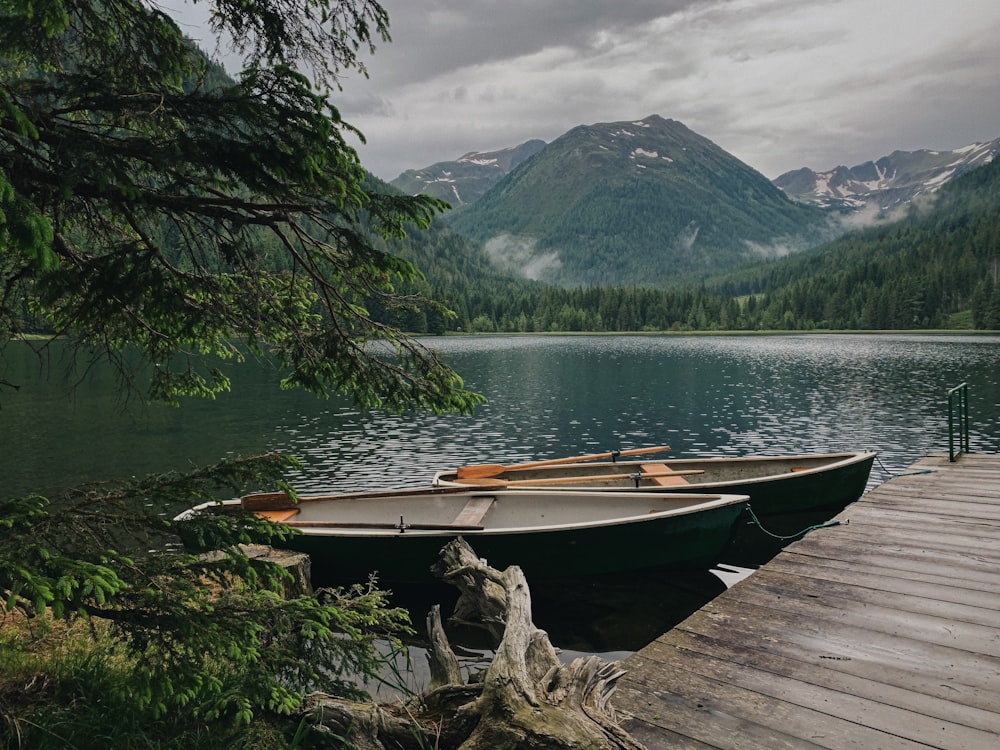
[[466, 179], [888, 182], [640, 202]]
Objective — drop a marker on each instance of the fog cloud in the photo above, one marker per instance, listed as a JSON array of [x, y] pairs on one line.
[[519, 256]]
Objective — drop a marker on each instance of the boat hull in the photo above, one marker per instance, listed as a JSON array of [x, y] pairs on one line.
[[776, 485], [549, 534], [693, 541]]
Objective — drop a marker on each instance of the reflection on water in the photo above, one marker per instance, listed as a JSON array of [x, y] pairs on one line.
[[548, 396], [617, 613], [705, 396]]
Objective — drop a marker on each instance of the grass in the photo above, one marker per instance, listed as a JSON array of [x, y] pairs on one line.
[[68, 686]]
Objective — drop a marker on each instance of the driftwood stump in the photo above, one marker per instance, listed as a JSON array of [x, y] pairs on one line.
[[527, 698]]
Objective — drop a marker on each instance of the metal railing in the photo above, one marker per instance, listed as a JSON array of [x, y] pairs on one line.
[[958, 401]]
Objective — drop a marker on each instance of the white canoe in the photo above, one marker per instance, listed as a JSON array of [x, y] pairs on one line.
[[547, 533]]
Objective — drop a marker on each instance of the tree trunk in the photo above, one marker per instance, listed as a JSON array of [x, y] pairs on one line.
[[527, 699]]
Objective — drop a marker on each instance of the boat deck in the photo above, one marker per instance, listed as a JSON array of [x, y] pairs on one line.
[[881, 632]]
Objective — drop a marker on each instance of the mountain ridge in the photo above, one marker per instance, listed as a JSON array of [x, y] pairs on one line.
[[887, 182], [467, 178]]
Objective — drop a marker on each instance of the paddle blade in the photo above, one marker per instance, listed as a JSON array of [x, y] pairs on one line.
[[267, 501], [480, 471]]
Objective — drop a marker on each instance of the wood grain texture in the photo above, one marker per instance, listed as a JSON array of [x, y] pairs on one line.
[[881, 632]]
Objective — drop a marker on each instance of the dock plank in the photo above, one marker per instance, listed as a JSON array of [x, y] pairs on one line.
[[775, 582], [939, 588], [771, 668], [866, 615], [881, 632], [905, 557], [807, 695], [969, 679], [974, 542], [675, 722], [771, 710]]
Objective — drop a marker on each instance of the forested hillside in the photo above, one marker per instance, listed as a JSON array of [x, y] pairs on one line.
[[647, 202], [456, 273], [936, 268], [943, 259]]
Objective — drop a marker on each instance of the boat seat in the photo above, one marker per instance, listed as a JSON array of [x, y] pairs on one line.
[[675, 481], [278, 516], [474, 511]]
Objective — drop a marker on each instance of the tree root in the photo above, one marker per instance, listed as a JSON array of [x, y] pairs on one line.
[[527, 698]]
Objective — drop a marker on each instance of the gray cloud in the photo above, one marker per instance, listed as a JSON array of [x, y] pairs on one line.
[[444, 35], [778, 83]]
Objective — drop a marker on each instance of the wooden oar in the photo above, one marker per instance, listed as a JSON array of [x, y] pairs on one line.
[[275, 501], [401, 527], [479, 471], [282, 501], [493, 482]]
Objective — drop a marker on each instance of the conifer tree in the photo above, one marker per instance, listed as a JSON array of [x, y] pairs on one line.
[[157, 212]]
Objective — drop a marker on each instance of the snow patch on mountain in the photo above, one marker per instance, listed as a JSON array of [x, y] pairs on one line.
[[479, 160], [891, 181], [467, 178]]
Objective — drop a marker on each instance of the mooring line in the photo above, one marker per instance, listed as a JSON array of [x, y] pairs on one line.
[[902, 473], [756, 521]]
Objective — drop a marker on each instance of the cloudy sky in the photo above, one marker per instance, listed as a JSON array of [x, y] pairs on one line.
[[780, 84]]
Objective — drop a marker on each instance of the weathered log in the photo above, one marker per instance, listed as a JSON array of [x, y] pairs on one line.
[[482, 600], [366, 726], [527, 699], [445, 669], [297, 564]]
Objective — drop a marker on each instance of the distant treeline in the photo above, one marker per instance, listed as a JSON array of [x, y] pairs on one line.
[[901, 305]]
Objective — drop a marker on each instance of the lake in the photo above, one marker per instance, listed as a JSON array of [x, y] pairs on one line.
[[549, 396]]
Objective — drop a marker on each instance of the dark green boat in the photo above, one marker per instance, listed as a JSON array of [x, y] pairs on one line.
[[776, 485], [547, 533]]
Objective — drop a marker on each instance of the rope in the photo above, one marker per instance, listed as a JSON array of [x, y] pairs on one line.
[[892, 474], [758, 524], [756, 521], [878, 459]]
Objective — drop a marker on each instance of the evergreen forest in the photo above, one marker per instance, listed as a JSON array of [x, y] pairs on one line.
[[937, 267]]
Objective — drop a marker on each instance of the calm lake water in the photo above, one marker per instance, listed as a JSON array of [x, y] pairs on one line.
[[548, 396]]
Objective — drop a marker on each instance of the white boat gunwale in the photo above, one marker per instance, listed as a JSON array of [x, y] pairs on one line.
[[683, 504]]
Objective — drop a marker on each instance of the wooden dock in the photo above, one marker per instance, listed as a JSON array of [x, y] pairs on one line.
[[881, 632]]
